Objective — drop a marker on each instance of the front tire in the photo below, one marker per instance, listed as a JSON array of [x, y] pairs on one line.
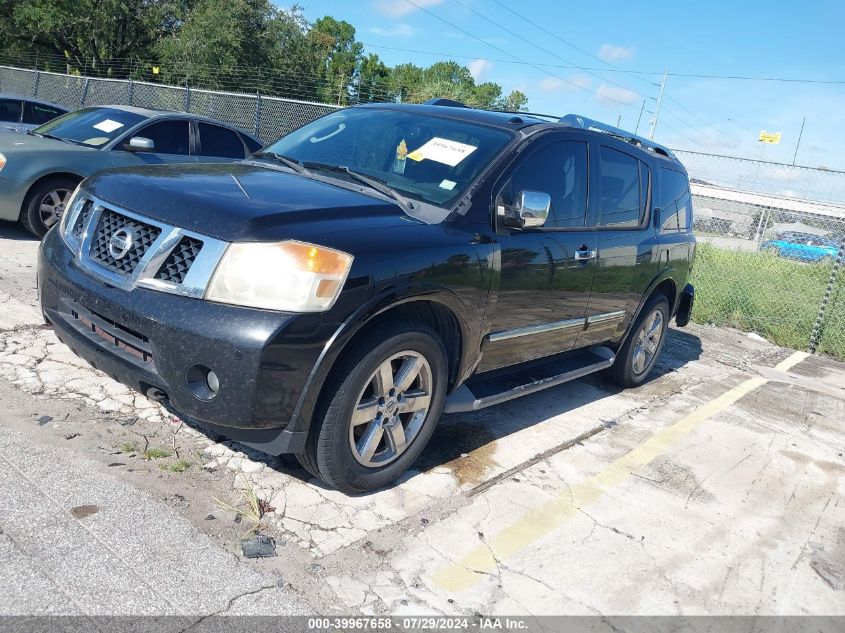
[[45, 204], [638, 354], [378, 408]]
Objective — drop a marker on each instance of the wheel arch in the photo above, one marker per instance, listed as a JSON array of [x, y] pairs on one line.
[[53, 175], [442, 311]]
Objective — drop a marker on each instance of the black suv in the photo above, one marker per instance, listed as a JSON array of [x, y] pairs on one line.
[[334, 294]]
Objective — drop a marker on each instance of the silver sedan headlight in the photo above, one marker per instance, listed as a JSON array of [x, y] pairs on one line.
[[289, 276]]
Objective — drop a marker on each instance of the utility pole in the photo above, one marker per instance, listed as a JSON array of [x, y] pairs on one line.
[[800, 134], [639, 118], [659, 101], [619, 121]]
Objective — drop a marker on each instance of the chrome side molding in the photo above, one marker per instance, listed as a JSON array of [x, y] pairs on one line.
[[569, 324]]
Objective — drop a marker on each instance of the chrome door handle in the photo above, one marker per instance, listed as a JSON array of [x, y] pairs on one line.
[[585, 255]]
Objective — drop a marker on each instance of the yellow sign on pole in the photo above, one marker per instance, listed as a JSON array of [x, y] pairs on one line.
[[155, 70], [769, 137]]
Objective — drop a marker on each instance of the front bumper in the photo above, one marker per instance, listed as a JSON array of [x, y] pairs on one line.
[[153, 341]]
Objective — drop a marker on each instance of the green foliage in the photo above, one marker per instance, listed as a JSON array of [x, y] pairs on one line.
[[157, 453], [235, 45]]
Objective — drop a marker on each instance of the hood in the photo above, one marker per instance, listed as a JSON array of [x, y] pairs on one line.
[[242, 201], [21, 143]]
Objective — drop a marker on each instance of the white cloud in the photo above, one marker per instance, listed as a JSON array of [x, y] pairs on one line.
[[398, 8], [479, 67], [613, 53], [398, 30], [610, 95], [555, 84]]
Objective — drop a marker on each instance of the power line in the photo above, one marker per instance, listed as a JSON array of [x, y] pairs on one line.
[[547, 51], [570, 44], [517, 61], [501, 50]]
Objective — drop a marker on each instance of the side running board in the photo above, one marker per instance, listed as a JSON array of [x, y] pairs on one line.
[[495, 387]]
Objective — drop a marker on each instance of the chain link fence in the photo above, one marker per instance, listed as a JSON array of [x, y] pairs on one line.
[[771, 248], [268, 118], [771, 236]]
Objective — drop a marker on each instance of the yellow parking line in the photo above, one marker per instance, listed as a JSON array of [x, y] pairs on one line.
[[539, 522]]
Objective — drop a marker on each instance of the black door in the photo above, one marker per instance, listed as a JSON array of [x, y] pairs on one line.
[[627, 258], [546, 273]]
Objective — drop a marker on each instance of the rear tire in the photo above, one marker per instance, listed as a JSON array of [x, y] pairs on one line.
[[45, 204], [638, 354], [378, 409]]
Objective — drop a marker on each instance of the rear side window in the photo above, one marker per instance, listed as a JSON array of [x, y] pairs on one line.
[[674, 200], [10, 110], [170, 137], [220, 142], [620, 191], [38, 114]]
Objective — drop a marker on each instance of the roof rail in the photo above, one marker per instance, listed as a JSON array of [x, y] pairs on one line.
[[576, 120]]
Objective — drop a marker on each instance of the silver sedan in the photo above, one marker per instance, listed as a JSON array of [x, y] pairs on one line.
[[40, 169]]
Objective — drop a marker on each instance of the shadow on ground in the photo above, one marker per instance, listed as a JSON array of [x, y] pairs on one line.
[[14, 231]]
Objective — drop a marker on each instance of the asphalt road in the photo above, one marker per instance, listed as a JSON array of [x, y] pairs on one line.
[[716, 488]]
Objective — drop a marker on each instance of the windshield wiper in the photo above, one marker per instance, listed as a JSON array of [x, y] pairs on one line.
[[291, 163], [373, 183]]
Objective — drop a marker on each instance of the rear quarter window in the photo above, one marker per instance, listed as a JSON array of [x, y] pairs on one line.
[[220, 142], [674, 200]]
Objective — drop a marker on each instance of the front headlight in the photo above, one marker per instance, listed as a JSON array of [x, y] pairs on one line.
[[289, 276], [68, 213], [2, 161]]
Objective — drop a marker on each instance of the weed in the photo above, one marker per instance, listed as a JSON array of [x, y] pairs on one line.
[[129, 447], [253, 513], [157, 453], [179, 466]]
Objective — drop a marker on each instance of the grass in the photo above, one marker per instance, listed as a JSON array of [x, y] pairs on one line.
[[157, 453], [129, 447], [179, 466], [775, 297], [252, 513]]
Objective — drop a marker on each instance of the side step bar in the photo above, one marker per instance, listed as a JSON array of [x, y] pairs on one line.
[[496, 387]]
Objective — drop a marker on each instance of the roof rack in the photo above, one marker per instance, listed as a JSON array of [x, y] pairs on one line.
[[576, 120]]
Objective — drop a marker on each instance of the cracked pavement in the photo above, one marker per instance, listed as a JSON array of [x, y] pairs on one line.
[[716, 488]]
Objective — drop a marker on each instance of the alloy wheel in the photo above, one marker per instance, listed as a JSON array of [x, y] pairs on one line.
[[648, 340], [53, 205], [391, 409]]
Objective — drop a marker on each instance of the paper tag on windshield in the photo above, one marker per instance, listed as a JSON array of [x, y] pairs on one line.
[[108, 126], [448, 184], [442, 150]]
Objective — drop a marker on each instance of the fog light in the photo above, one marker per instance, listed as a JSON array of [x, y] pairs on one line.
[[202, 382], [212, 381]]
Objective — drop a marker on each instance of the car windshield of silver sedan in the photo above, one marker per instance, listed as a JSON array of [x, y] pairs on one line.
[[91, 127], [420, 158]]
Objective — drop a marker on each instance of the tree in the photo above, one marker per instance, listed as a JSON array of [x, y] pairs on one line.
[[217, 41], [516, 101], [95, 36], [340, 68]]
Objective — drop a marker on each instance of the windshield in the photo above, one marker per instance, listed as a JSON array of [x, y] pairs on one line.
[[93, 127], [424, 158]]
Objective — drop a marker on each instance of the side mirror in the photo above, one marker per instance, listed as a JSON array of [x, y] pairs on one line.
[[140, 144], [530, 210]]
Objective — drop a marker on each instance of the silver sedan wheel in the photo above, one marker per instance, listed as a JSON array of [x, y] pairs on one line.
[[53, 205], [391, 409], [648, 340]]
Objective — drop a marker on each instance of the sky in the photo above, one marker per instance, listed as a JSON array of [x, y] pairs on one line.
[[603, 59]]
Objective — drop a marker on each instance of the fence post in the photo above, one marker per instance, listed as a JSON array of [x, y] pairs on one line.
[[35, 83], [187, 103], [131, 91], [84, 93], [816, 335], [258, 115]]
